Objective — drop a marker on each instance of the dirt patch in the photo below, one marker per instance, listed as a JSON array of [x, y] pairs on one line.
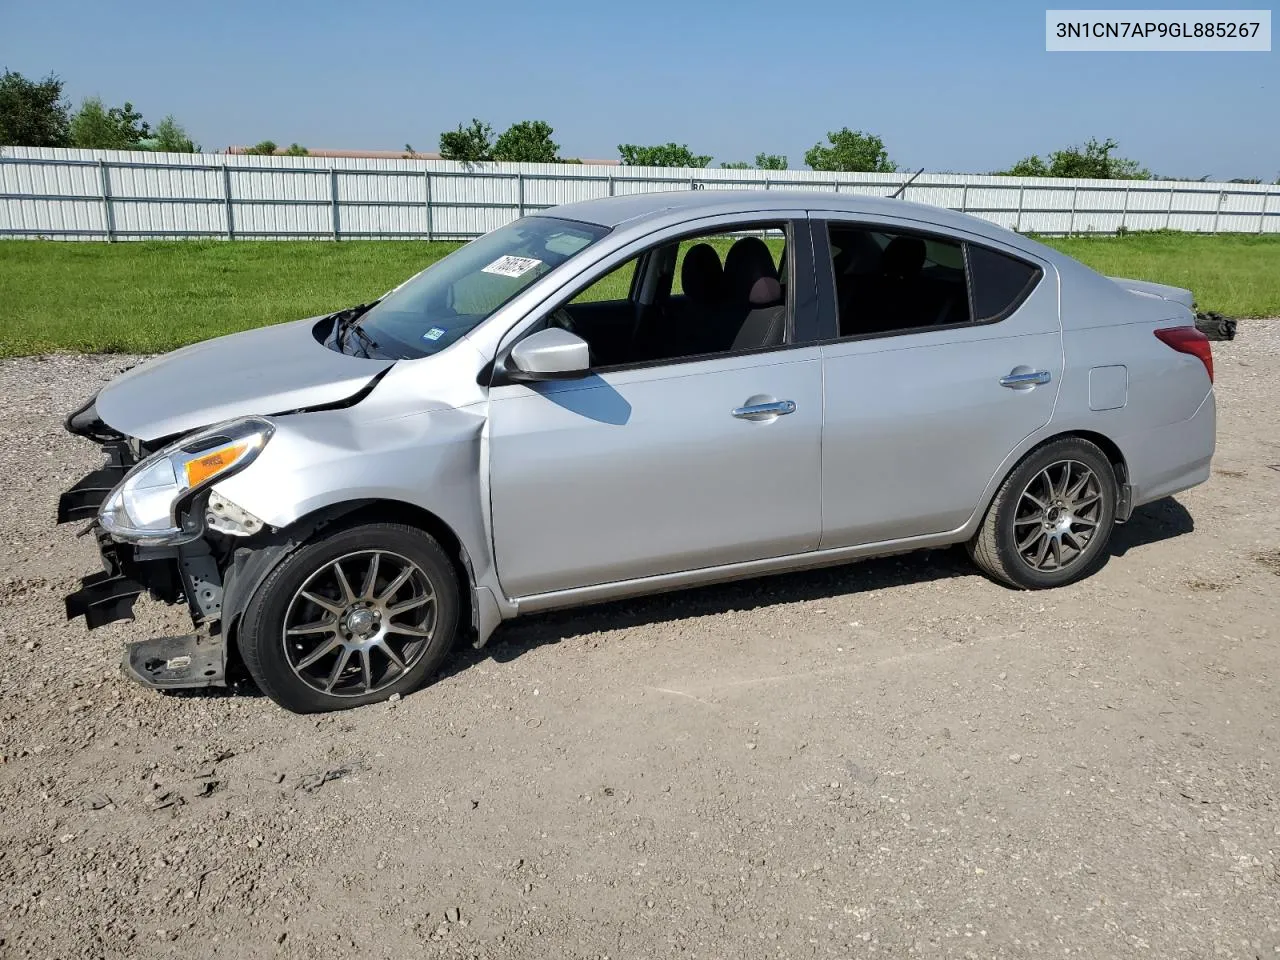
[[897, 758]]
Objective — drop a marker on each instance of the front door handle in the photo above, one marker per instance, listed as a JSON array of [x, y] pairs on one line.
[[767, 410], [1021, 379]]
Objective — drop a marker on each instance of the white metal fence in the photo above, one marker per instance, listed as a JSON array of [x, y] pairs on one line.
[[123, 195]]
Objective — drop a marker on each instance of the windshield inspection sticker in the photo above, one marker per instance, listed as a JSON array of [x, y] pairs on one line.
[[510, 266], [435, 333]]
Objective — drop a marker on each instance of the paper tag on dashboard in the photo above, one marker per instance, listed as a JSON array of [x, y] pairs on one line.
[[510, 266]]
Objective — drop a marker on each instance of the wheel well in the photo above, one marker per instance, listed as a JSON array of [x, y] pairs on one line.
[[303, 529], [397, 511], [1104, 443], [1107, 446]]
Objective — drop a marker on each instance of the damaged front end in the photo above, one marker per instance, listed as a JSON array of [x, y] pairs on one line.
[[177, 558]]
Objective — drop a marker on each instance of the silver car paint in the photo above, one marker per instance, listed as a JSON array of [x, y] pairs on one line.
[[880, 481], [430, 435], [573, 504], [1161, 290], [269, 370]]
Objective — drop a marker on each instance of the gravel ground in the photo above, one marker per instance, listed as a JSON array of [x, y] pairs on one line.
[[896, 758]]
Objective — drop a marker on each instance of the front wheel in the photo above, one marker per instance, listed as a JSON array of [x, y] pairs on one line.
[[1051, 520], [351, 618]]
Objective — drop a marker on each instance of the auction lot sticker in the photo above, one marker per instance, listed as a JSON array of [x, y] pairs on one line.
[[510, 266], [1158, 30]]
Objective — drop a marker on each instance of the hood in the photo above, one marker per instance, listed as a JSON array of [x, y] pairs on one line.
[[265, 371], [1164, 292]]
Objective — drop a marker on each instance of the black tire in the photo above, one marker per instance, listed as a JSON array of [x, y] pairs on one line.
[[1001, 546], [261, 637]]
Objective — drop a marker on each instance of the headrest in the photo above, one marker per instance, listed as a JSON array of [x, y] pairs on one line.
[[765, 292], [701, 275], [748, 260], [903, 257]]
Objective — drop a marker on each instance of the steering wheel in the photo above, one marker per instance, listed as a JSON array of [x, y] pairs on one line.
[[561, 318]]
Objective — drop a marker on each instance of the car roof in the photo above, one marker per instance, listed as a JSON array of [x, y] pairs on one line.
[[634, 209]]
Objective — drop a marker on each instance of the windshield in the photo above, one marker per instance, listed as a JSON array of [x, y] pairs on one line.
[[452, 297]]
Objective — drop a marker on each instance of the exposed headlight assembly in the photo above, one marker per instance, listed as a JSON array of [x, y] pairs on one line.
[[150, 506]]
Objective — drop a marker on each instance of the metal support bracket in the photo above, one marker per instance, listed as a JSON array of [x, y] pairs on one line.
[[177, 663], [201, 581]]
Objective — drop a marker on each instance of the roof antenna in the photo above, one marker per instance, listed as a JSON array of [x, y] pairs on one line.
[[897, 194]]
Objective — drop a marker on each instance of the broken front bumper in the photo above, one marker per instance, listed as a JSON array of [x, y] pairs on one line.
[[168, 574]]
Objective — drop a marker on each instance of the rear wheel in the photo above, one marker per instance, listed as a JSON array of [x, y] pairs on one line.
[[1051, 520], [352, 618]]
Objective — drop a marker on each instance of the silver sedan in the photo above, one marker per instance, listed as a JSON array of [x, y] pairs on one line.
[[628, 395]]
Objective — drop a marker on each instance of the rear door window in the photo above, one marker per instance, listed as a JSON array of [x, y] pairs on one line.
[[1000, 283], [889, 283]]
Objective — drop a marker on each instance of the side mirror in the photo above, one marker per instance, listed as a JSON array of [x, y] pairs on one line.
[[551, 354]]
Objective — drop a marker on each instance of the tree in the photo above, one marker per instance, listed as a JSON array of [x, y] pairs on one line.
[[472, 144], [33, 113], [528, 141], [267, 148], [764, 161], [1092, 161], [297, 150], [171, 137], [1031, 166], [119, 128], [662, 155], [851, 151]]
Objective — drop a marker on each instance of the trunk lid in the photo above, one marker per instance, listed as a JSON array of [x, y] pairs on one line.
[[1162, 291]]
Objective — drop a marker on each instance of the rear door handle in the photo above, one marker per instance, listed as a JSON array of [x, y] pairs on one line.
[[1025, 380], [765, 411]]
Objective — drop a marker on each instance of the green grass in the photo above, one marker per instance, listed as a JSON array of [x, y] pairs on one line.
[[151, 297], [154, 296], [1234, 274]]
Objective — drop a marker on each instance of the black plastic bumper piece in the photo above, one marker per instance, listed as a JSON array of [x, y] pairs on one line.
[[177, 663], [104, 598], [82, 501]]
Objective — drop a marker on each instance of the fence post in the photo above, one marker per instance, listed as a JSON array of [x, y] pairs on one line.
[[964, 198], [520, 194], [426, 181], [226, 202], [766, 183], [1168, 210], [1017, 221], [108, 217], [611, 185], [333, 199], [1262, 215], [1218, 212], [1071, 228], [1124, 212]]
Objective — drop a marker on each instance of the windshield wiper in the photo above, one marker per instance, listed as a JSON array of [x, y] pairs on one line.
[[366, 341], [348, 321]]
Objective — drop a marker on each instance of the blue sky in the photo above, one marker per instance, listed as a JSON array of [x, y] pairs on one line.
[[949, 86]]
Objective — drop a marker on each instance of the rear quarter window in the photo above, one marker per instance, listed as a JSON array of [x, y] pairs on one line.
[[999, 283]]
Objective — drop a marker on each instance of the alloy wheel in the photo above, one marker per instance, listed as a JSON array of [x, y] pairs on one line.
[[1058, 513], [359, 623]]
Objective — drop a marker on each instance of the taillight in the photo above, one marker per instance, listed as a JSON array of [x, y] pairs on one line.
[[1189, 340]]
